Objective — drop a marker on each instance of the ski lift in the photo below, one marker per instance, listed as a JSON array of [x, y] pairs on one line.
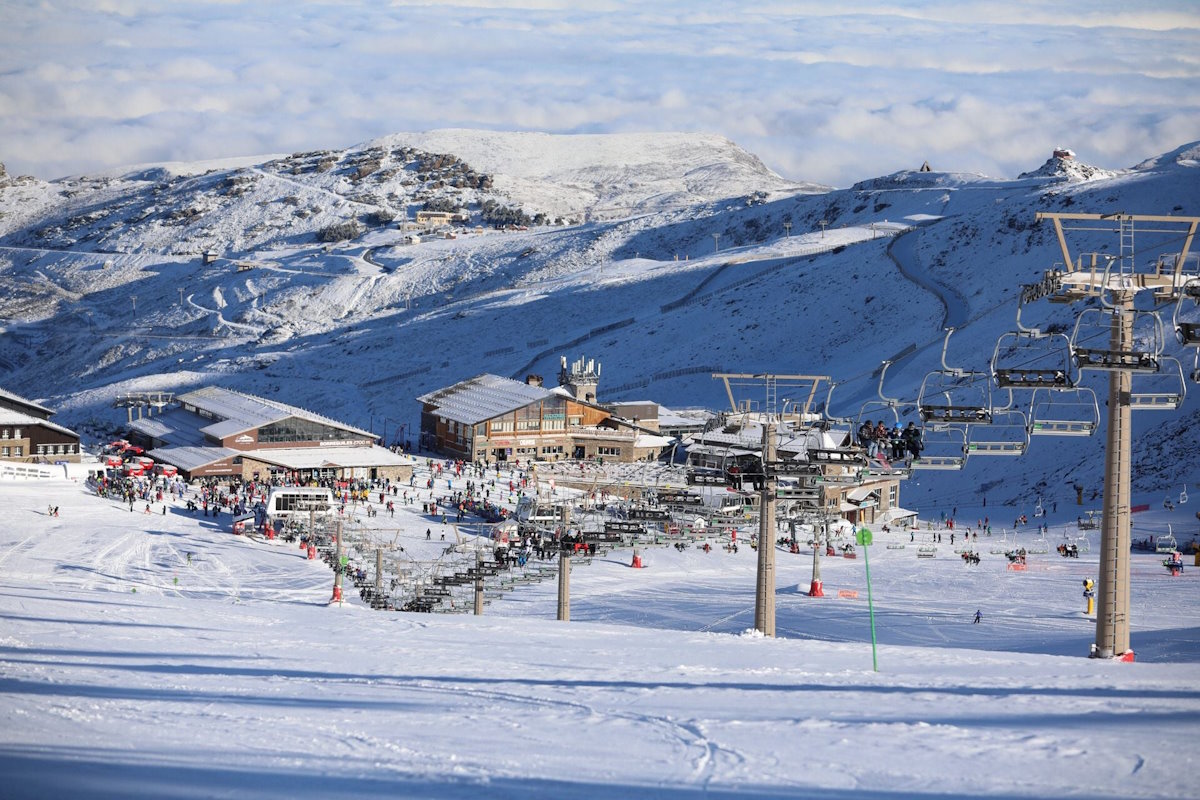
[[1007, 435], [873, 408], [876, 408], [1164, 390], [951, 394], [1003, 547], [945, 448], [1166, 544], [1029, 359], [1040, 546], [1188, 333], [1196, 367], [1064, 412], [1091, 341]]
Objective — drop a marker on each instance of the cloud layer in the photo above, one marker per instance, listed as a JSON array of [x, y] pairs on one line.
[[827, 92]]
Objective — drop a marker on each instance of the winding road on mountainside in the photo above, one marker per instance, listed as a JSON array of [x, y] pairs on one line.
[[903, 253]]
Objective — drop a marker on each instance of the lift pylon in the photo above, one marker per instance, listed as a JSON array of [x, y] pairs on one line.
[[1117, 284]]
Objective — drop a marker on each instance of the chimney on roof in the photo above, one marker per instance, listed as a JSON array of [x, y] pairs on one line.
[[533, 380]]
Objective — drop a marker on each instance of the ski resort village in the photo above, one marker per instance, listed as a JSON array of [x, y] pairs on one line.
[[467, 464]]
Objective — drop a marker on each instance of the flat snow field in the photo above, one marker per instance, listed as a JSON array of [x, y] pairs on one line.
[[126, 671]]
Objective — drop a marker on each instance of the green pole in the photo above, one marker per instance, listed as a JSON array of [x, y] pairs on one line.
[[864, 539]]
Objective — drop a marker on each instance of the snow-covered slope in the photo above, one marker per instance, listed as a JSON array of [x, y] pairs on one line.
[[607, 175], [158, 655]]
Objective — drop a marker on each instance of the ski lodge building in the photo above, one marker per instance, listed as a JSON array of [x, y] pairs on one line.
[[490, 418], [221, 432], [27, 435], [733, 457]]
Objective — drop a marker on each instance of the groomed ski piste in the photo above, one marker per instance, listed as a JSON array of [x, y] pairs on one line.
[[160, 655]]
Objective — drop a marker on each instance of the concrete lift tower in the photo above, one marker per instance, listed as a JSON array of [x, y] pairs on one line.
[[1116, 280]]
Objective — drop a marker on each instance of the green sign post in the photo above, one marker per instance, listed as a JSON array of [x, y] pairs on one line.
[[864, 538]]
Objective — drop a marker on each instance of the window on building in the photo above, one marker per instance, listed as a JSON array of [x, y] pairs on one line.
[[4, 452], [504, 426], [553, 424], [529, 424], [16, 433], [550, 450], [5, 434], [893, 495], [608, 451], [18, 451], [575, 422], [294, 429]]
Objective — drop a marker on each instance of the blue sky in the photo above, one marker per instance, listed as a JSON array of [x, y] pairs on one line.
[[827, 92]]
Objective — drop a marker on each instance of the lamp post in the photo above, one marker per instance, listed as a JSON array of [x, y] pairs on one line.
[[823, 223], [716, 239], [787, 230]]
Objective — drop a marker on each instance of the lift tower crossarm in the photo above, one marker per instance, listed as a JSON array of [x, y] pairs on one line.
[[1169, 282], [814, 382]]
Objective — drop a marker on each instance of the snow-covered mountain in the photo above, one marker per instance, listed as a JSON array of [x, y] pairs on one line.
[[715, 264]]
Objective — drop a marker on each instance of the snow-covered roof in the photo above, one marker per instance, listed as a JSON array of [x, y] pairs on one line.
[[16, 398], [313, 457], [237, 412], [650, 440], [174, 426], [482, 398], [16, 418], [189, 458], [861, 493]]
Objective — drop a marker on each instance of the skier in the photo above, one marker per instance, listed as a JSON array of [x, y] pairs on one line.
[[978, 616]]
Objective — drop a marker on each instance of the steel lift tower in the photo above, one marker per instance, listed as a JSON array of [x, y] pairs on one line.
[[1116, 281]]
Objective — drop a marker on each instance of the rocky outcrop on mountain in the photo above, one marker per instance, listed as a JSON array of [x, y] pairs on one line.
[[1063, 165]]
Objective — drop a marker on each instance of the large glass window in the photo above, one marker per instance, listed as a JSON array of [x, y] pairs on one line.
[[294, 429]]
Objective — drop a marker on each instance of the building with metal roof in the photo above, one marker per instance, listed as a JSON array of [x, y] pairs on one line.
[[490, 418], [214, 431]]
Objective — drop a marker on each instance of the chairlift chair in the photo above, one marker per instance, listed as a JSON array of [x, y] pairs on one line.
[[1007, 435], [954, 395], [877, 408], [945, 447], [873, 409], [1064, 412], [1027, 358], [1162, 391], [1091, 341], [1187, 332], [1040, 546], [1166, 544]]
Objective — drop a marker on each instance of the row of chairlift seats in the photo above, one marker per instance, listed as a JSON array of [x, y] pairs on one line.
[[959, 418]]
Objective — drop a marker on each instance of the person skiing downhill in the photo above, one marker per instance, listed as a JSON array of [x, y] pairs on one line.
[[978, 616]]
